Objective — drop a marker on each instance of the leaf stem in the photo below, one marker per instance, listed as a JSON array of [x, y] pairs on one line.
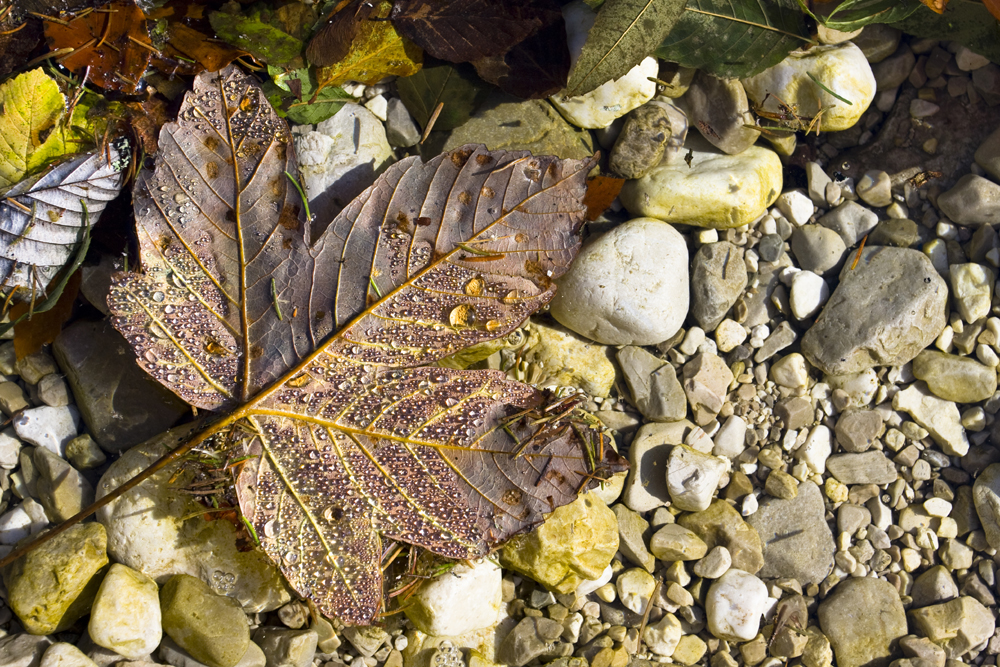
[[756, 25], [302, 194]]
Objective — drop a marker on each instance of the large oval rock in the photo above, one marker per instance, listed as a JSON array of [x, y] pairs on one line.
[[841, 68], [797, 541], [627, 287], [126, 613], [715, 190], [160, 532], [974, 201], [885, 310], [576, 542], [863, 618]]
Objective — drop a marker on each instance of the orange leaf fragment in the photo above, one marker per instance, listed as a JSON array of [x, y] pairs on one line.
[[601, 191], [994, 8], [937, 6], [42, 328]]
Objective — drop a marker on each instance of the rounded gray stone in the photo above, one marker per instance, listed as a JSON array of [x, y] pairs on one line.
[[817, 248], [863, 618], [797, 541]]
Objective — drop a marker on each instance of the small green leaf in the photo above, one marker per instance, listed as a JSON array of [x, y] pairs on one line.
[[305, 111], [456, 86], [851, 15], [31, 107], [625, 32], [965, 21], [255, 33], [735, 39]]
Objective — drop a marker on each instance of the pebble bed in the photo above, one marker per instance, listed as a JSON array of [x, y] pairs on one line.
[[803, 376]]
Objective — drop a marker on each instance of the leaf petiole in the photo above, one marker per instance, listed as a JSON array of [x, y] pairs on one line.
[[302, 194], [274, 299]]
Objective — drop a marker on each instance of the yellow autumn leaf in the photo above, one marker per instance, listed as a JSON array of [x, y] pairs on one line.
[[376, 52]]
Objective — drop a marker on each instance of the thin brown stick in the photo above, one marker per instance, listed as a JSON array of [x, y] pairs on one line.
[[431, 121], [645, 614]]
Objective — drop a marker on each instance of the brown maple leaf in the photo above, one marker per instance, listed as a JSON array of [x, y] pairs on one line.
[[318, 353]]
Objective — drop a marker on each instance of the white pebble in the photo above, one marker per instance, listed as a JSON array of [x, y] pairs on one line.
[[734, 606], [937, 507], [49, 427], [987, 356], [729, 334], [694, 337], [974, 419], [379, 106], [796, 206], [808, 294], [750, 505], [706, 236]]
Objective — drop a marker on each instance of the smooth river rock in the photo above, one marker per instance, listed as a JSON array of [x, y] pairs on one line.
[[885, 310], [627, 287]]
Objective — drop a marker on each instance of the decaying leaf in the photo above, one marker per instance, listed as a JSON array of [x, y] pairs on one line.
[[112, 41], [376, 51], [42, 219], [601, 191], [30, 108], [735, 39], [185, 50], [535, 67], [625, 32], [968, 22], [319, 347], [294, 96], [273, 37], [466, 30]]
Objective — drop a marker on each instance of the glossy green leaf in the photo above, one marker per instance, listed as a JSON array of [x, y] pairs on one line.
[[735, 38], [300, 106], [625, 32], [851, 15]]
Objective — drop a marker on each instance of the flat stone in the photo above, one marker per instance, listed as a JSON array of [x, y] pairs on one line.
[[286, 648], [721, 112], [12, 398], [632, 538], [857, 429], [62, 489], [567, 359], [635, 588], [940, 417], [796, 205], [972, 290], [531, 638], [863, 618], [48, 427], [986, 495], [674, 542], [842, 68], [23, 650], [988, 154], [120, 404], [871, 467], [955, 378], [851, 221], [972, 202], [898, 232], [342, 156], [956, 626], [718, 277], [721, 525], [125, 617], [716, 191], [693, 477], [797, 542], [211, 627], [933, 586], [160, 532], [33, 367], [574, 543], [646, 486], [172, 654], [505, 122], [53, 586], [656, 391], [885, 311], [462, 600], [62, 654], [706, 383], [400, 128], [734, 606], [628, 286]]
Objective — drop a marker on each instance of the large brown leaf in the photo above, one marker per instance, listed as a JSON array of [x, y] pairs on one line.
[[353, 436]]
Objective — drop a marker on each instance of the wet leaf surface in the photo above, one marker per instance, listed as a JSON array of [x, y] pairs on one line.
[[319, 348], [270, 36], [294, 96], [111, 40], [455, 86]]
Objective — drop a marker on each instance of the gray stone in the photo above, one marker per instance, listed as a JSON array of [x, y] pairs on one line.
[[782, 336], [795, 412], [62, 490], [851, 518], [706, 383], [972, 202], [817, 248], [210, 627], [628, 286], [878, 41], [646, 486], [857, 429], [986, 495], [940, 417], [22, 650], [656, 391], [632, 530], [366, 639], [53, 390], [851, 220], [531, 638], [172, 654], [863, 619], [400, 129], [871, 467], [649, 132], [771, 247], [48, 427], [955, 378], [160, 532], [988, 154], [120, 404], [54, 585], [933, 586], [797, 540], [286, 648], [12, 398], [61, 654], [898, 232], [884, 312], [718, 277], [34, 367], [504, 122], [894, 70], [720, 110], [875, 188]]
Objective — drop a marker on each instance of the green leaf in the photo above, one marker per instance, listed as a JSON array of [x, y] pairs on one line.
[[625, 32], [965, 21], [32, 107], [735, 38], [305, 111], [851, 15], [456, 86], [254, 32]]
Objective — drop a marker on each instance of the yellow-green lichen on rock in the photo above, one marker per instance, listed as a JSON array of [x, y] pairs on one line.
[[716, 190], [53, 586], [576, 542]]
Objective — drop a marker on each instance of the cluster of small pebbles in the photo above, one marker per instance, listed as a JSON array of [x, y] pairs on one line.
[[794, 339]]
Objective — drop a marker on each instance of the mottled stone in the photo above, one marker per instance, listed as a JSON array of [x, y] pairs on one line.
[[863, 619], [797, 542]]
